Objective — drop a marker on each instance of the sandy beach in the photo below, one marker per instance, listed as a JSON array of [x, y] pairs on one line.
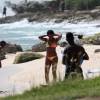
[[16, 78]]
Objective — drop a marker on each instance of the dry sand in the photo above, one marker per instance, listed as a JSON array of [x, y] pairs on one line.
[[16, 78], [91, 68]]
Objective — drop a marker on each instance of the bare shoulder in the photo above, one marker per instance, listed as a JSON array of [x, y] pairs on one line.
[[81, 47]]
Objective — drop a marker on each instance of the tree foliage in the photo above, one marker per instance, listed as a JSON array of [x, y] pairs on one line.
[[53, 6], [82, 4]]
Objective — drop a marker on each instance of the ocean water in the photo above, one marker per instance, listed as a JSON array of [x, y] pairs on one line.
[[26, 34]]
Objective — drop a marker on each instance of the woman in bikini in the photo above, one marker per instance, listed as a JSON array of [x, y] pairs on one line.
[[51, 57]]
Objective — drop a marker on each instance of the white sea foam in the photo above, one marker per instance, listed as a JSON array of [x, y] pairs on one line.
[[21, 31], [84, 28], [23, 23]]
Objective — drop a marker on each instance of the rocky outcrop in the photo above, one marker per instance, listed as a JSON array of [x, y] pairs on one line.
[[15, 18], [63, 44], [70, 16], [48, 10], [34, 6], [92, 39], [97, 50], [9, 48], [12, 48], [39, 47]]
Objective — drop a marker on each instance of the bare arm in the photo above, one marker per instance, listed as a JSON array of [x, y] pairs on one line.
[[85, 56], [58, 36], [65, 59], [43, 38]]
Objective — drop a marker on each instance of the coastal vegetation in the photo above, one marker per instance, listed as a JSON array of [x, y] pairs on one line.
[[81, 4], [53, 6], [94, 39], [26, 56], [66, 90]]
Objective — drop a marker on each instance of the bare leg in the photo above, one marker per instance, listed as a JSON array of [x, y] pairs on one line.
[[47, 68], [67, 72], [79, 70], [54, 68]]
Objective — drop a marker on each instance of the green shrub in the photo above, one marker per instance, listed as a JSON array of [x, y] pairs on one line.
[[82, 4], [25, 57]]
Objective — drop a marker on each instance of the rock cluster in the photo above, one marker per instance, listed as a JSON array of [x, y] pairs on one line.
[[13, 48], [39, 47]]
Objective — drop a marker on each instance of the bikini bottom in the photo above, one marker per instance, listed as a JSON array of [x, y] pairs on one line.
[[51, 60]]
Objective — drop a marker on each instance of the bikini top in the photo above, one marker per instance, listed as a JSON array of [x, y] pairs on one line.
[[53, 45]]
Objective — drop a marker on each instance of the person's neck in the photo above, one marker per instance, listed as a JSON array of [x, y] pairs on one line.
[[72, 43]]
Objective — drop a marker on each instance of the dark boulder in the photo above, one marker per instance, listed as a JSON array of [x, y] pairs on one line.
[[39, 47], [59, 20], [63, 44], [96, 42], [9, 48], [97, 50], [13, 48]]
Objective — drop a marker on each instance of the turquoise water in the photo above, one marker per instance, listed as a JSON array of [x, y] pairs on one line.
[[26, 34]]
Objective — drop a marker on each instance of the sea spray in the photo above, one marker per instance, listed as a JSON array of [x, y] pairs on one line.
[[26, 34]]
